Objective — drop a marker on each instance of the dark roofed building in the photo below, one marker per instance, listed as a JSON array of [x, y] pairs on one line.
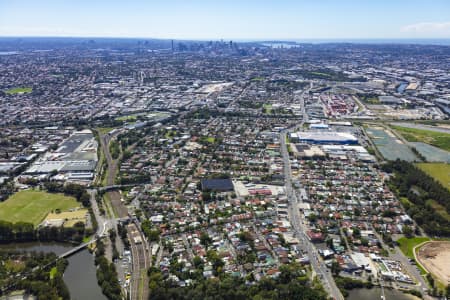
[[390, 100], [217, 185]]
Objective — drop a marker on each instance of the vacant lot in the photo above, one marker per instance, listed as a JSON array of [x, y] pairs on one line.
[[19, 90], [439, 171], [435, 257], [70, 217], [32, 206], [438, 139]]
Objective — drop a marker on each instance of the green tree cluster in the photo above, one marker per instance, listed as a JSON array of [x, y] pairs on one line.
[[25, 232], [411, 182], [72, 189], [291, 283], [150, 231], [346, 283], [107, 277], [32, 280]]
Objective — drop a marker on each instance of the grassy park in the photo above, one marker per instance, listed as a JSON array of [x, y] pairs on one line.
[[437, 139], [104, 130], [130, 118], [267, 108], [19, 90], [439, 171], [33, 206], [208, 139], [407, 244]]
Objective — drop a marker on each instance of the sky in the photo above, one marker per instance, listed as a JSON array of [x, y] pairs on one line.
[[228, 19]]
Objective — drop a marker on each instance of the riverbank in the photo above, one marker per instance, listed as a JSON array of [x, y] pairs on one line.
[[80, 273]]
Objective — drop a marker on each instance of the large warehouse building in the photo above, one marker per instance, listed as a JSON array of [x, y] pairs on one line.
[[75, 159], [323, 137]]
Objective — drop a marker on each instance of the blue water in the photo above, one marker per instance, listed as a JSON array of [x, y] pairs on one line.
[[80, 274]]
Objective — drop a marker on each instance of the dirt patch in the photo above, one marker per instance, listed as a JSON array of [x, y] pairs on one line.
[[70, 217], [117, 204], [435, 257]]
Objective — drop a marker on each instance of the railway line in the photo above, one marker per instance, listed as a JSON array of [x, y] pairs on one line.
[[138, 287], [141, 263]]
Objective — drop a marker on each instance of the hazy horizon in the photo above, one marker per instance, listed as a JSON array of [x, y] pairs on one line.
[[418, 41], [237, 20]]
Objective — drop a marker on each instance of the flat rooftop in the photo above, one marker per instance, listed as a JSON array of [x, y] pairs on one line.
[[325, 136], [222, 185], [74, 142]]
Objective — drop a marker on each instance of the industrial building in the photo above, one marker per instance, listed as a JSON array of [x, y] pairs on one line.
[[75, 159], [444, 105], [323, 137], [391, 100], [318, 126]]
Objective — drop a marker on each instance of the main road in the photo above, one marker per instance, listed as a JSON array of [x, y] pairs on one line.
[[294, 214]]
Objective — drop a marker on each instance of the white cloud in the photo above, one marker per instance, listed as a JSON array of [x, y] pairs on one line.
[[428, 29]]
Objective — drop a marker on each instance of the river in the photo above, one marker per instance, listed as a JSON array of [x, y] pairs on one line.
[[375, 294], [79, 275]]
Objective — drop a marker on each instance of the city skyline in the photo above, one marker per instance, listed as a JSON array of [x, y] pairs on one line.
[[252, 20]]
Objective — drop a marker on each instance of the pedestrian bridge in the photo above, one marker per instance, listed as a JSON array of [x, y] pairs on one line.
[[78, 248]]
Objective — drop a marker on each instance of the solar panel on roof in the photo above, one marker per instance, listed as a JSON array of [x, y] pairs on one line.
[[222, 185]]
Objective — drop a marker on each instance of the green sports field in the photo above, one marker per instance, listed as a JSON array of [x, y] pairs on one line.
[[33, 206]]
